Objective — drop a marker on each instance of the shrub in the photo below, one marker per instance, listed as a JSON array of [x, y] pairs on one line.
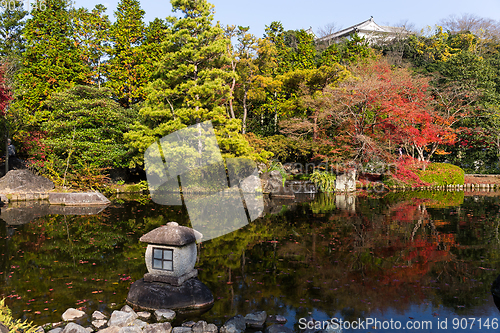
[[324, 180], [285, 149], [410, 171], [439, 174], [406, 172]]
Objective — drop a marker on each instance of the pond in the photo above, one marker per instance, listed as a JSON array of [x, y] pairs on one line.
[[408, 257]]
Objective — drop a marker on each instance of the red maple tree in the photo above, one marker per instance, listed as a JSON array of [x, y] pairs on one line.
[[381, 108]]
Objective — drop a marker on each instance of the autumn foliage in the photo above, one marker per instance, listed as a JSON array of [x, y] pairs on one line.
[[5, 95], [380, 108]]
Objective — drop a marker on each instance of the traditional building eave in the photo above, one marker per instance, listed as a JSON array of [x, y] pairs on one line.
[[368, 28]]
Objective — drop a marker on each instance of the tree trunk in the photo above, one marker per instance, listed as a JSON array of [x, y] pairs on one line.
[[315, 127], [275, 114], [231, 99], [245, 111]]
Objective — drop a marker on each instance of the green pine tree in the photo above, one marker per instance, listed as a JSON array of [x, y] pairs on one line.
[[190, 83], [126, 70]]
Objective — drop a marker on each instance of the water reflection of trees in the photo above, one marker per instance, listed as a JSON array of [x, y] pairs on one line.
[[57, 262], [390, 253]]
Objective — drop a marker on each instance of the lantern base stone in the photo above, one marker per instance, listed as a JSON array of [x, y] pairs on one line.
[[173, 280], [192, 295]]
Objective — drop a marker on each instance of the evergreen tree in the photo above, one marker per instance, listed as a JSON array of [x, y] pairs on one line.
[[126, 70], [91, 31], [283, 54], [190, 85], [305, 52], [11, 27], [51, 62], [156, 33], [12, 22], [85, 133], [246, 69]]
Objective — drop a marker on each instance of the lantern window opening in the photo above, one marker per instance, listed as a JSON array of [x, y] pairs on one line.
[[163, 259]]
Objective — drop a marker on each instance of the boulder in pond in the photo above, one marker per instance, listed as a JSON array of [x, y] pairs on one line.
[[54, 330], [144, 315], [126, 308]]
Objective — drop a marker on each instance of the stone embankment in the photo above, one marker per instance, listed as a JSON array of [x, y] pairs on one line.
[[128, 321], [466, 187], [23, 185]]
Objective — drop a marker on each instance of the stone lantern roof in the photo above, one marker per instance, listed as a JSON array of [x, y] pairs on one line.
[[171, 234]]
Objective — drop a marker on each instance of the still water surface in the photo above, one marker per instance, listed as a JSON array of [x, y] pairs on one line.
[[406, 257]]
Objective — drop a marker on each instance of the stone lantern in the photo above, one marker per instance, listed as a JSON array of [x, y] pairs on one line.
[[171, 281], [171, 254]]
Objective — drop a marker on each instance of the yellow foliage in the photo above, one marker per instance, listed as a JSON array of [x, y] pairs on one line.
[[14, 326]]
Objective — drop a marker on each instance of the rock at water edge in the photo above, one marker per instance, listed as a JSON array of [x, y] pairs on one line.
[[158, 328], [130, 329], [256, 319], [276, 319], [278, 329], [97, 315], [199, 327], [165, 315], [139, 323], [112, 329], [74, 328], [234, 325], [72, 314], [3, 328], [99, 323], [182, 330], [127, 308], [144, 315], [121, 318]]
